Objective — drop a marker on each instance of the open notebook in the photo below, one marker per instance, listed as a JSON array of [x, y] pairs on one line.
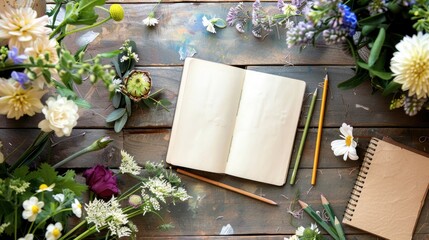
[[390, 190], [235, 121]]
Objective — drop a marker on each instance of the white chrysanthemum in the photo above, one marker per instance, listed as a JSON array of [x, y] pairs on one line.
[[128, 165], [61, 116], [27, 237], [1, 154], [53, 232], [410, 65], [209, 25], [32, 207], [21, 26], [345, 146], [16, 102], [59, 197], [150, 21], [77, 208], [43, 187]]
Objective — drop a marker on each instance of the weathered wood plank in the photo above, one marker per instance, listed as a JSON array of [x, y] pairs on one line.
[[271, 237], [152, 144], [181, 26], [212, 207], [357, 106]]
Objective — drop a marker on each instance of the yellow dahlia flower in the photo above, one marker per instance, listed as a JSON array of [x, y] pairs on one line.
[[21, 26], [410, 65], [16, 102]]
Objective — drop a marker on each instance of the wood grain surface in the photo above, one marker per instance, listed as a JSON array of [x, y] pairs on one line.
[[147, 132]]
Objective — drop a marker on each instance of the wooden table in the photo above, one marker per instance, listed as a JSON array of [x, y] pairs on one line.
[[147, 133]]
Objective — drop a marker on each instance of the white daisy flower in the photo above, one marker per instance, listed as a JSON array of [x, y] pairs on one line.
[[77, 208], [209, 25], [59, 197], [345, 146], [150, 21], [43, 187], [27, 237], [53, 232], [410, 65], [32, 207]]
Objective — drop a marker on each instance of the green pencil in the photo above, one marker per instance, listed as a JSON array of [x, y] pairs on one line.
[[332, 218], [304, 136], [319, 220]]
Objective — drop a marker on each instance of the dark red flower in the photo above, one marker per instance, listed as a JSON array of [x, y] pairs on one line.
[[101, 181]]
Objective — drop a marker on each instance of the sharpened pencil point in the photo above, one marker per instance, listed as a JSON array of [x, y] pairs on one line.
[[324, 200], [303, 204]]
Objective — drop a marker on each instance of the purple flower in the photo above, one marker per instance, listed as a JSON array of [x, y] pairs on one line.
[[14, 55], [20, 77], [257, 7], [101, 181], [280, 4]]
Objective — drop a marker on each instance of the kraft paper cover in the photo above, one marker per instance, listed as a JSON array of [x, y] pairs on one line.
[[389, 192]]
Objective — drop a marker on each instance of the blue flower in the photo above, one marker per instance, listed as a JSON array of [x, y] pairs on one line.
[[14, 55], [349, 20], [20, 77]]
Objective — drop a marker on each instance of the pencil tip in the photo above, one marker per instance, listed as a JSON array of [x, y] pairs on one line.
[[324, 200], [303, 204]]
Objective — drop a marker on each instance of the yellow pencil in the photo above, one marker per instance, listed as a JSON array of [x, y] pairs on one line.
[[319, 130]]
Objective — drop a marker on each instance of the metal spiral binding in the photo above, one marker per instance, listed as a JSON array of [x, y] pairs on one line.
[[360, 181]]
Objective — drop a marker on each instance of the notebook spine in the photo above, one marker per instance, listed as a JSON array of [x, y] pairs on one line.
[[360, 181]]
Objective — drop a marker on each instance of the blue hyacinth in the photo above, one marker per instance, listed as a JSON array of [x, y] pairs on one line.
[[349, 20]]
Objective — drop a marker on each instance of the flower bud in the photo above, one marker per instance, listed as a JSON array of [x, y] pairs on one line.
[[137, 85], [116, 12], [135, 200]]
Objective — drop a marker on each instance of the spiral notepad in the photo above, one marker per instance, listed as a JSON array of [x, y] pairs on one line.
[[390, 190]]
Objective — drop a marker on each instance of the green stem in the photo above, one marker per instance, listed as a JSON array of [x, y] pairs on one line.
[[38, 142], [88, 232], [28, 65], [46, 218], [56, 10], [16, 216], [129, 192], [83, 28], [73, 229], [73, 156]]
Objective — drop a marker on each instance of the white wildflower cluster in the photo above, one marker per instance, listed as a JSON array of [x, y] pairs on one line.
[[128, 165], [3, 227], [108, 214], [128, 52], [311, 232], [18, 185]]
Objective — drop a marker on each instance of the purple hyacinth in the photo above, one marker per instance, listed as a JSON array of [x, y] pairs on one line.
[[14, 55], [348, 20], [20, 77], [256, 12]]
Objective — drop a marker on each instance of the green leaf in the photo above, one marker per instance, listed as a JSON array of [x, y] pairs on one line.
[[82, 103], [116, 114], [69, 181], [362, 65], [65, 92], [391, 88], [121, 123], [360, 77], [21, 172], [47, 75], [110, 54], [367, 29], [381, 74], [115, 63], [116, 100], [128, 105], [376, 47], [373, 20], [47, 173]]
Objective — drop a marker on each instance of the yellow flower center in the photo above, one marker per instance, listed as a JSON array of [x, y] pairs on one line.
[[79, 205], [43, 187], [56, 232], [349, 140], [19, 102], [34, 209]]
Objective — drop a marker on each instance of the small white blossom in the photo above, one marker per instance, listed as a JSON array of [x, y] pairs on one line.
[[18, 185], [53, 232], [294, 237], [345, 146], [108, 214], [128, 165], [77, 208], [150, 21], [27, 237], [300, 231], [32, 207], [59, 197], [45, 188], [209, 25], [124, 58], [290, 10]]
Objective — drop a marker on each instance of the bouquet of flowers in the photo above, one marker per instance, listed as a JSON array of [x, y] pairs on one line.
[[388, 40]]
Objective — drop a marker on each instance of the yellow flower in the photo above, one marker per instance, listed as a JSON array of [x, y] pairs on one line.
[[116, 12], [21, 26], [17, 102], [410, 65], [45, 188]]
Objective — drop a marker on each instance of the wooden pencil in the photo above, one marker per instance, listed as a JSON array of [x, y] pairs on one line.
[[231, 188], [319, 130]]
